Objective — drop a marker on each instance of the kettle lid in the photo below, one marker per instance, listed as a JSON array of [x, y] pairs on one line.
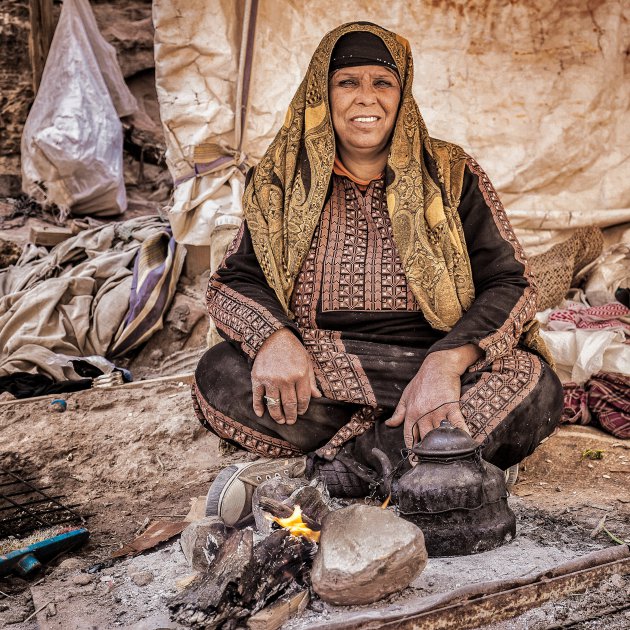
[[445, 441]]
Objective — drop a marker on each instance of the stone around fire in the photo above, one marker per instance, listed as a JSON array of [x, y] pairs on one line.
[[365, 554]]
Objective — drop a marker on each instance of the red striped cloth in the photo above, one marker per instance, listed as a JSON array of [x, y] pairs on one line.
[[604, 399], [576, 315]]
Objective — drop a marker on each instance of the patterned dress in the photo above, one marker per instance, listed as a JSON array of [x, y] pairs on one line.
[[367, 337]]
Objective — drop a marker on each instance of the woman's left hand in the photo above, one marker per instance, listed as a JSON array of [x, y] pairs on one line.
[[433, 394]]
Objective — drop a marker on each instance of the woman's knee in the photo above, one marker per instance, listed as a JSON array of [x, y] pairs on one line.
[[223, 376], [529, 423]]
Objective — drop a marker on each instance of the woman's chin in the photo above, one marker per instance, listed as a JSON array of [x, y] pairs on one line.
[[366, 147]]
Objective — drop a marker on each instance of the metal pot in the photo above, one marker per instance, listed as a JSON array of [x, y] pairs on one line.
[[457, 498]]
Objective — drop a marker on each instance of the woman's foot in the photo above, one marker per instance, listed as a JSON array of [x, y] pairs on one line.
[[230, 495]]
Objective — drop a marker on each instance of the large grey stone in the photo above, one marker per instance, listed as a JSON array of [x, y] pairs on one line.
[[366, 553]]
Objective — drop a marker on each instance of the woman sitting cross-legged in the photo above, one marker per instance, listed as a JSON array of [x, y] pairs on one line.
[[375, 288]]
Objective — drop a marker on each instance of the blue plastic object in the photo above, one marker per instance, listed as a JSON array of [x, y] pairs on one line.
[[59, 404], [29, 559]]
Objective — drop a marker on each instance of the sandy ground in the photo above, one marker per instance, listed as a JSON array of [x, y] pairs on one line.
[[136, 454]]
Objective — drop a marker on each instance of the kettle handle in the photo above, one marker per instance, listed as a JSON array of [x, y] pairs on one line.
[[386, 468]]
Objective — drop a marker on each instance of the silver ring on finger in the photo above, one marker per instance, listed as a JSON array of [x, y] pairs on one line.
[[271, 402]]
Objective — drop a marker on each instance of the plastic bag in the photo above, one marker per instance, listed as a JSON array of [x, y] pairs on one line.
[[72, 144]]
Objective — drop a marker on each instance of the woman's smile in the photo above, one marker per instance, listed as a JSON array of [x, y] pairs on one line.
[[365, 122]]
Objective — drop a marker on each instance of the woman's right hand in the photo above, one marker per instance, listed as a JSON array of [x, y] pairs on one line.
[[283, 370]]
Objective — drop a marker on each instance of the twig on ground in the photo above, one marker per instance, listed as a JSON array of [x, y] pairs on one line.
[[601, 527], [37, 611]]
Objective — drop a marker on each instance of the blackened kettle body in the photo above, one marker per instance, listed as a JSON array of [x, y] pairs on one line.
[[457, 498]]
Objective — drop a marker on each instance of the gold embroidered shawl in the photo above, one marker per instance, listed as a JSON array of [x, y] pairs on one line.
[[285, 197]]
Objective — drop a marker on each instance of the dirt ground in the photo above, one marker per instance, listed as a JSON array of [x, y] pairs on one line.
[[136, 454]]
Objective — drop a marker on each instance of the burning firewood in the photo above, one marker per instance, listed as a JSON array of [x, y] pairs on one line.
[[279, 497], [243, 579], [282, 510], [296, 526]]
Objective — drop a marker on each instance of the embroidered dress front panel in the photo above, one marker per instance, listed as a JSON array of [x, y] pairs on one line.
[[361, 267]]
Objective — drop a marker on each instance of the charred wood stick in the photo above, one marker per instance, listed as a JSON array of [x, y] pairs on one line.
[[273, 616], [281, 510]]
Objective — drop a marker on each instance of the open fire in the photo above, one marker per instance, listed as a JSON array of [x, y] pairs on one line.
[[296, 526]]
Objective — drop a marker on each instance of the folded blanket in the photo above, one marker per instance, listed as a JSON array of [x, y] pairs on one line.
[[156, 272], [604, 399], [576, 315]]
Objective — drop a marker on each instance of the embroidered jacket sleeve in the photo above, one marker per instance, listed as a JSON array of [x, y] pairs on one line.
[[505, 295], [241, 303]]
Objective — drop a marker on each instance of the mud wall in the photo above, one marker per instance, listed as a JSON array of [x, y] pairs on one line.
[[16, 90]]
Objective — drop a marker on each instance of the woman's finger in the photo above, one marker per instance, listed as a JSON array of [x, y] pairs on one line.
[[411, 432], [398, 416], [289, 403], [315, 393], [258, 391], [456, 418], [273, 402], [303, 390], [428, 422]]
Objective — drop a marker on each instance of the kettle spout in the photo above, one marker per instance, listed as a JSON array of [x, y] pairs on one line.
[[386, 470]]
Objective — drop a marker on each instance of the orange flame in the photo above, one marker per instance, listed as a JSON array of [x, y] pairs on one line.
[[386, 503], [296, 526]]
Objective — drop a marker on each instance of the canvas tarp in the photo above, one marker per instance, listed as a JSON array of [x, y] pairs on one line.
[[535, 91]]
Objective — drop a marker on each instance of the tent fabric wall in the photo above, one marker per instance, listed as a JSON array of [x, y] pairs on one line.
[[536, 91]]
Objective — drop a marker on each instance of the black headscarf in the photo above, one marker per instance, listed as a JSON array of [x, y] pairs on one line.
[[361, 48]]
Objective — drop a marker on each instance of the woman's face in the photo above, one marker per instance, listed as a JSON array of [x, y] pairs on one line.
[[364, 105]]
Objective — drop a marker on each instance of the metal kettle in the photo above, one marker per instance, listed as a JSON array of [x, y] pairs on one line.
[[458, 499]]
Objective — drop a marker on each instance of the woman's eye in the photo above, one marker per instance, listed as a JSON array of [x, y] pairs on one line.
[[383, 83], [347, 82]]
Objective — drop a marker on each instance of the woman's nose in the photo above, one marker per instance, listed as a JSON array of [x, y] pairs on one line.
[[366, 94]]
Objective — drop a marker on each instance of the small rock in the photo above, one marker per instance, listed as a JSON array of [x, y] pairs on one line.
[[366, 553], [5, 396], [317, 605], [156, 357], [70, 564], [51, 610], [15, 617], [617, 581], [142, 578], [81, 579]]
